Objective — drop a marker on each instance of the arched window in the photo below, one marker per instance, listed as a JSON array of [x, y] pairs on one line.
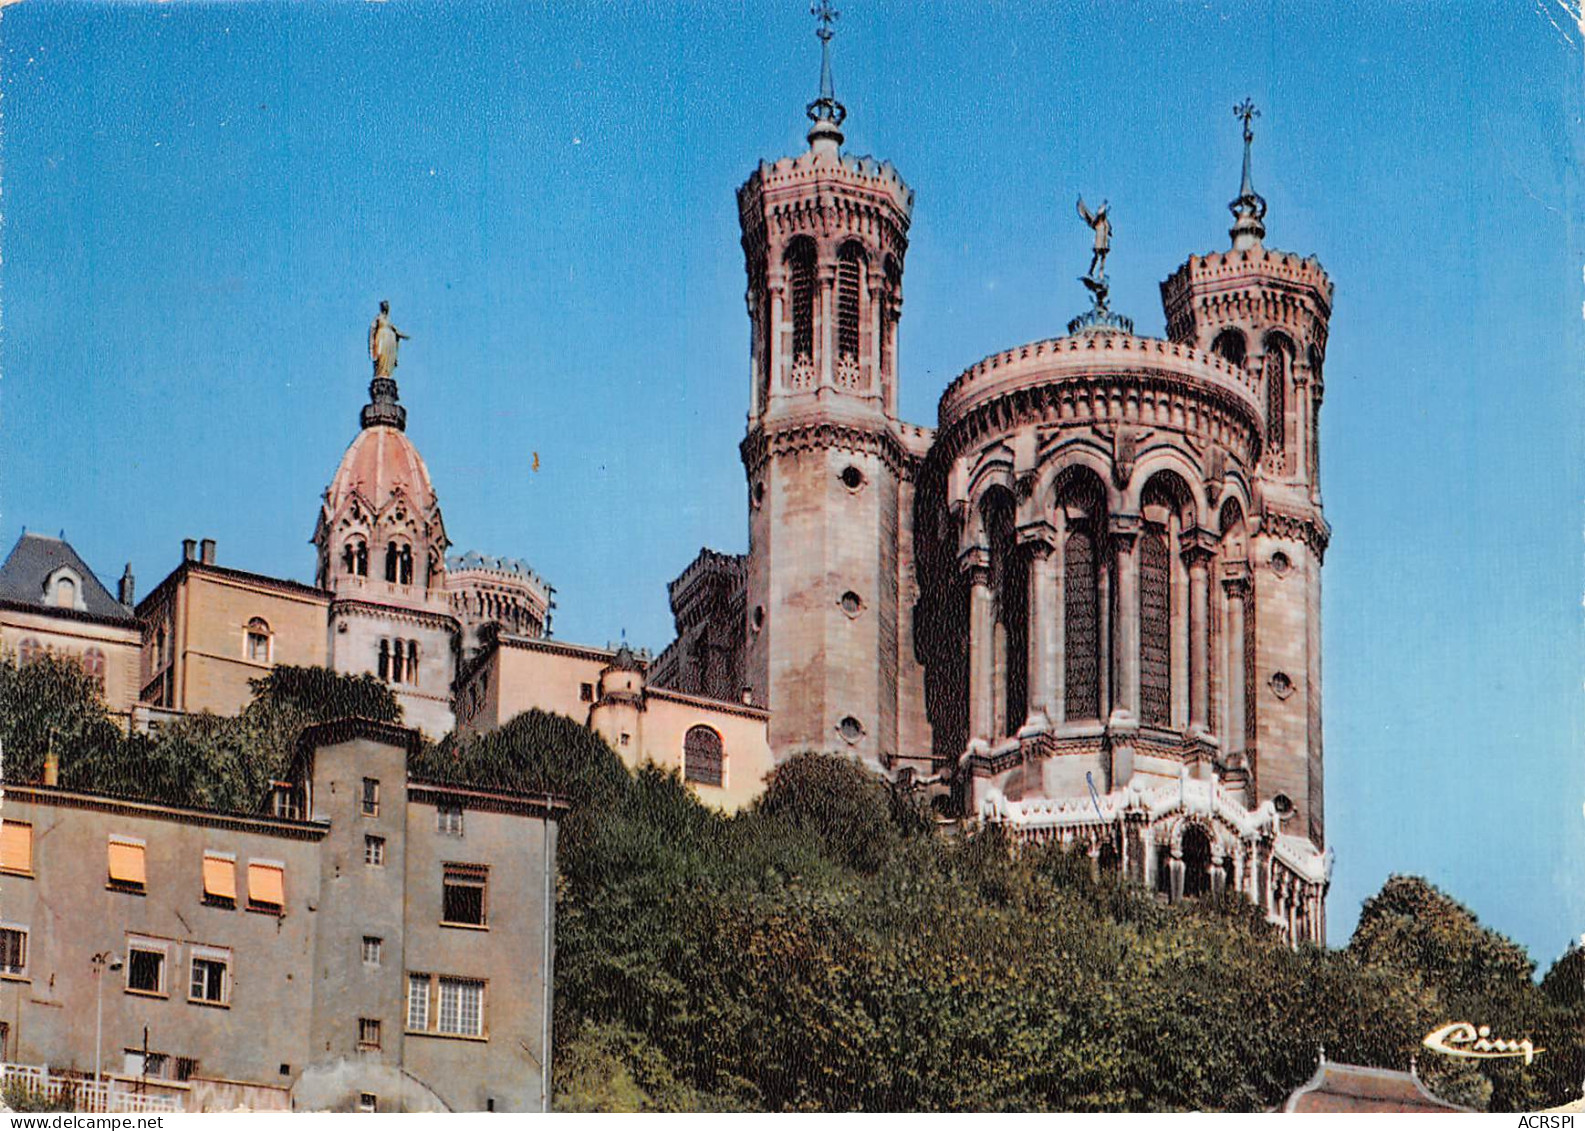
[[28, 651], [391, 556], [1081, 621], [801, 282], [1278, 355], [94, 667], [398, 661], [1230, 344], [412, 661], [385, 660], [702, 756], [257, 647], [355, 557], [1155, 627], [848, 282], [65, 593], [1196, 861], [404, 566]]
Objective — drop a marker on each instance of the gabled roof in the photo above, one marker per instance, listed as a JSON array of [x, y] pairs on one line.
[[31, 562], [1351, 1087]]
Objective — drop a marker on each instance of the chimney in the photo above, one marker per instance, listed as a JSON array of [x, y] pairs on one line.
[[189, 550], [207, 549], [128, 588]]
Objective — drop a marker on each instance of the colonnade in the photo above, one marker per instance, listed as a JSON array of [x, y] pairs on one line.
[[1193, 627]]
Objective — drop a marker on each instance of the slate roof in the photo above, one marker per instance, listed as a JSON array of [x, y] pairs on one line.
[[34, 558], [1350, 1087]]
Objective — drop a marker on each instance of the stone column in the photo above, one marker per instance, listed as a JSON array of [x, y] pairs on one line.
[[1299, 410], [756, 356], [828, 283], [1197, 555], [981, 643], [1042, 630], [1237, 589], [777, 374], [889, 329], [1125, 628], [877, 329]]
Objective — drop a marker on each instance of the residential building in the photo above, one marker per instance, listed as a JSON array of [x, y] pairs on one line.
[[371, 942], [209, 629], [51, 602]]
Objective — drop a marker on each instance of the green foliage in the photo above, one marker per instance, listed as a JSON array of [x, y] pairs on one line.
[[20, 1098], [830, 950], [1412, 924], [200, 760], [50, 700], [1465, 972], [819, 953], [848, 810]]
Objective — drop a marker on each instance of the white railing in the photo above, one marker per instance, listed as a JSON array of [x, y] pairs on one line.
[[114, 1095]]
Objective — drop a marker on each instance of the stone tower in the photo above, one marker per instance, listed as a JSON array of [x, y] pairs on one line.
[[829, 581], [1268, 311], [381, 546]]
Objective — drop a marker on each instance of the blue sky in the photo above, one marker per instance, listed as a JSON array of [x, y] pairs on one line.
[[203, 204]]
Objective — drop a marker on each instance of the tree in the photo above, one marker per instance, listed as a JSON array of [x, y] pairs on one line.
[[227, 762], [848, 809], [49, 702]]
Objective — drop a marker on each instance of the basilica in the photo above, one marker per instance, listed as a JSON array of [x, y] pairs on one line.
[[1084, 604]]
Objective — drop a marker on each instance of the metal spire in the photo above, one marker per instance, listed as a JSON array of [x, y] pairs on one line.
[[1249, 210], [826, 112]]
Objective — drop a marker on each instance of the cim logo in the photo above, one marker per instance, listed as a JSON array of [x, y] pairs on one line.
[[1465, 1040]]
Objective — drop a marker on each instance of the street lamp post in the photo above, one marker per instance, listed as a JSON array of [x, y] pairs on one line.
[[101, 960]]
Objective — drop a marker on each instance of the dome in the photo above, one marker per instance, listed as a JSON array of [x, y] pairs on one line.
[[380, 462], [380, 517]]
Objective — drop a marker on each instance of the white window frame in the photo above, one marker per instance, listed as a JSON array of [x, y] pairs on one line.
[[374, 851], [442, 983], [221, 955], [439, 993], [20, 971], [373, 950], [418, 1021], [248, 632], [447, 816]]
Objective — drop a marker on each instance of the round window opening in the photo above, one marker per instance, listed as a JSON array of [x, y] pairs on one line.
[[852, 478], [1282, 685], [852, 605], [850, 729], [759, 617], [1280, 564]]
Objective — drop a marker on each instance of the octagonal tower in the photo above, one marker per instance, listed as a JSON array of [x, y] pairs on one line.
[[829, 585]]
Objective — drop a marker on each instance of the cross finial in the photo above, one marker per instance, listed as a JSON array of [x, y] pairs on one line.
[[1249, 210], [827, 15], [826, 112], [1246, 110]]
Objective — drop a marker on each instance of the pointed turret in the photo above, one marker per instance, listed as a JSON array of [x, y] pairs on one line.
[[1249, 210], [827, 114]]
